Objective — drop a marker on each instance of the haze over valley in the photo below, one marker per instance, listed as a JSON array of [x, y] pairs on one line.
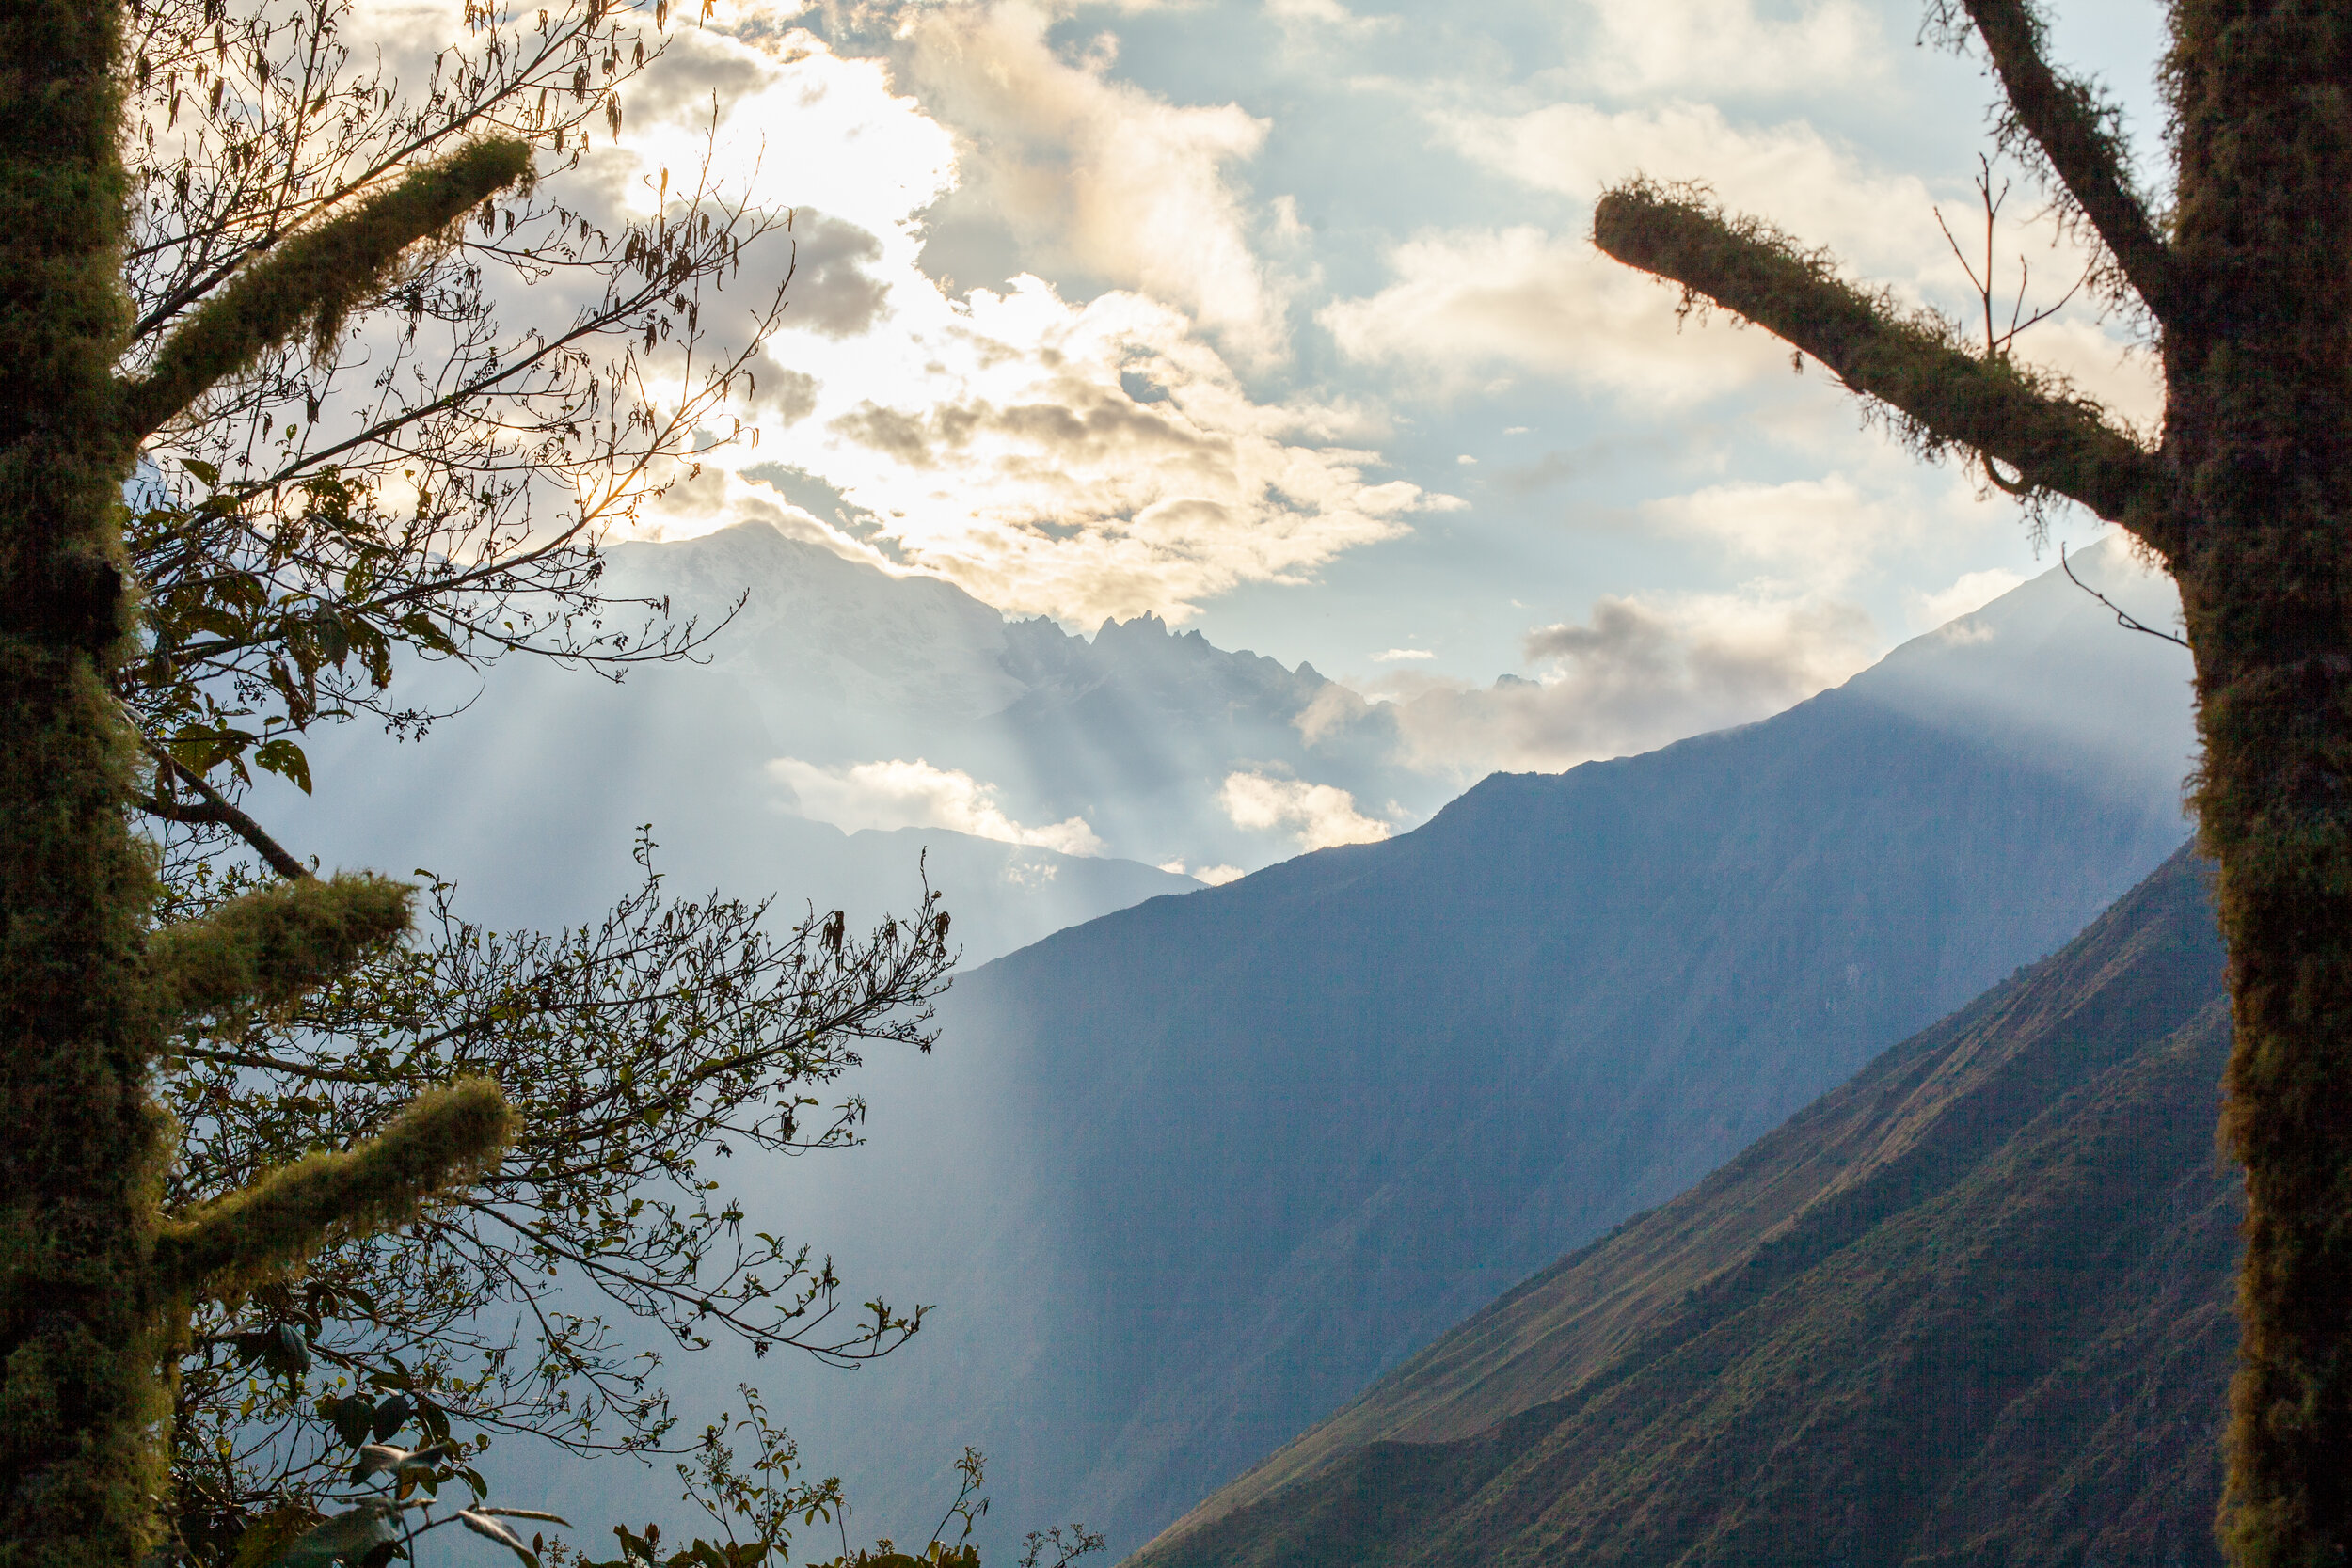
[[1187, 1175]]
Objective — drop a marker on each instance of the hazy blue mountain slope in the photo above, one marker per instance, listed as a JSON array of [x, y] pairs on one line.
[[1187, 1178], [1973, 1307]]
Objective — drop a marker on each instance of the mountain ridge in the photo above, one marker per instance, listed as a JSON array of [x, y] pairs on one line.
[[1975, 1187], [1200, 1170]]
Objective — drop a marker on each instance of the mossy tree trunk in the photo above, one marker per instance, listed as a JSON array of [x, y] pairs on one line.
[[90, 1264], [2249, 502]]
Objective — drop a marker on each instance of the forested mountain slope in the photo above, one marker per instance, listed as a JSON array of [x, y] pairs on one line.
[[1973, 1307]]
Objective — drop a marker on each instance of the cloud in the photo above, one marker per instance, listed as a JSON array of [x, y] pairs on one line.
[[829, 295], [1638, 674], [1002, 441], [902, 794], [1319, 815], [1723, 46], [1970, 593], [1392, 655], [1468, 300], [1083, 460], [1824, 529], [1098, 175], [1215, 876], [720, 498]]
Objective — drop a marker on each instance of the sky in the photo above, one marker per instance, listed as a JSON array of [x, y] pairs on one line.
[[1279, 319]]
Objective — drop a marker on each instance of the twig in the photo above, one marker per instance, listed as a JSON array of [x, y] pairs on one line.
[[216, 808], [2122, 617]]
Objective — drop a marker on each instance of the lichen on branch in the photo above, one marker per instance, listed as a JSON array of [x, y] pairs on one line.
[[446, 1136], [269, 947], [1942, 395], [310, 282]]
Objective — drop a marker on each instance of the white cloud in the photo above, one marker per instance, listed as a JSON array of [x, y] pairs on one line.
[[1215, 876], [1096, 173], [1320, 816], [1306, 18], [1392, 655], [1080, 460], [1003, 444], [1971, 592], [1467, 300], [902, 794], [1824, 529], [1639, 674], [1724, 46]]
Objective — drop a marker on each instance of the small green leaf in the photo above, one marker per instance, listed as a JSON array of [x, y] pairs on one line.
[[285, 759]]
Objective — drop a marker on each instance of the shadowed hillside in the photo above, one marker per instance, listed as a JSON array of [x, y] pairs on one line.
[[1971, 1307], [1187, 1178]]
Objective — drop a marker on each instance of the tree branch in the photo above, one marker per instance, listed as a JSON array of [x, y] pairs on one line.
[[270, 946], [314, 278], [2066, 121], [216, 808], [443, 1137], [1944, 396]]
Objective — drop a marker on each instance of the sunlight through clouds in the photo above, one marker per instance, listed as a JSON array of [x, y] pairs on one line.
[[1082, 460]]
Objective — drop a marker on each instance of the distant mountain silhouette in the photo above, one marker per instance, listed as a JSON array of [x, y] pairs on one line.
[[1973, 1307], [1187, 1179], [1133, 728], [530, 795]]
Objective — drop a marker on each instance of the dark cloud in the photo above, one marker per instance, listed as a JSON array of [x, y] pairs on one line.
[[829, 293], [1634, 676]]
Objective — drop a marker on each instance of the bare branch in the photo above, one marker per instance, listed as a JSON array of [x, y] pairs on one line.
[[2122, 617], [2063, 118], [217, 807]]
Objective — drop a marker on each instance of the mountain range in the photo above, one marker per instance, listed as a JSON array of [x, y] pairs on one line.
[[836, 725], [1973, 1306], [1185, 1179]]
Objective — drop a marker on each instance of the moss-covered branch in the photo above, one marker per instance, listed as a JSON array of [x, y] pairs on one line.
[[2075, 136], [1945, 396], [309, 282], [269, 947], [446, 1137]]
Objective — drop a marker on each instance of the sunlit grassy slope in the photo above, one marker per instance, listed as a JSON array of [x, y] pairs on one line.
[[1972, 1306]]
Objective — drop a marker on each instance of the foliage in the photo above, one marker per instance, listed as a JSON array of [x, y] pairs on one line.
[[432, 466], [638, 1051], [286, 333], [2243, 499]]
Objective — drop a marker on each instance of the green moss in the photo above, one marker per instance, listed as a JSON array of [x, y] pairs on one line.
[[447, 1136], [86, 1312], [269, 947]]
